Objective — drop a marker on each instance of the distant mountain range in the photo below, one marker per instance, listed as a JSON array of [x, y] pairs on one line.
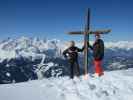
[[26, 58]]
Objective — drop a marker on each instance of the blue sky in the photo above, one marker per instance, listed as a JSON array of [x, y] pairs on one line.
[[54, 18]]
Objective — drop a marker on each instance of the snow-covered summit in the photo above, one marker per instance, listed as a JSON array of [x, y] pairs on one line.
[[114, 85]]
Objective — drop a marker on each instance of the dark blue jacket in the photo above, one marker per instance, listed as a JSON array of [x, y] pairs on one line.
[[98, 49]]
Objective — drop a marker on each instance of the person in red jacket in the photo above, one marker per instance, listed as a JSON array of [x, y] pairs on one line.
[[98, 54]]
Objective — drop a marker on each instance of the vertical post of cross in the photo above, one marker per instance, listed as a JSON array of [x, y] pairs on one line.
[[86, 40]]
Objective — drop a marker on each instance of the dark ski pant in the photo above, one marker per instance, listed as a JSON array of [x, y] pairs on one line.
[[74, 67]]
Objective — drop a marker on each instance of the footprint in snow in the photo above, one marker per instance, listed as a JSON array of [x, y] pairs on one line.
[[92, 86]]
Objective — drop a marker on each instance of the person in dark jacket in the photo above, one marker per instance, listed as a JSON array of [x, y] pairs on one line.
[[71, 54], [98, 54]]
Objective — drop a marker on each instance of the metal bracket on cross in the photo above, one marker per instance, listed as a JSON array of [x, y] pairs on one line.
[[86, 34]]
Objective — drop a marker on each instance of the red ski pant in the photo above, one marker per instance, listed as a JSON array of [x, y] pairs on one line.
[[98, 67]]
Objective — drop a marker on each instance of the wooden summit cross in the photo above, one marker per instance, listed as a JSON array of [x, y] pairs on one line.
[[86, 34]]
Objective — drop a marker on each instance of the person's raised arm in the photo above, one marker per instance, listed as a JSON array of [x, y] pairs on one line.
[[81, 50]]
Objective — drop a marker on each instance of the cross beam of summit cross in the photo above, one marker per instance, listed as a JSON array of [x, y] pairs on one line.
[[86, 34]]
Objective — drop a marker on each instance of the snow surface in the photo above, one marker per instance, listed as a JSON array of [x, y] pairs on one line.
[[114, 85]]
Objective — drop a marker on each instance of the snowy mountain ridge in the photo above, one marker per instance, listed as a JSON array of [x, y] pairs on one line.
[[127, 45], [25, 46]]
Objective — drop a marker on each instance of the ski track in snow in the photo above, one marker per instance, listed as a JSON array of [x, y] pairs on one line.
[[114, 85]]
